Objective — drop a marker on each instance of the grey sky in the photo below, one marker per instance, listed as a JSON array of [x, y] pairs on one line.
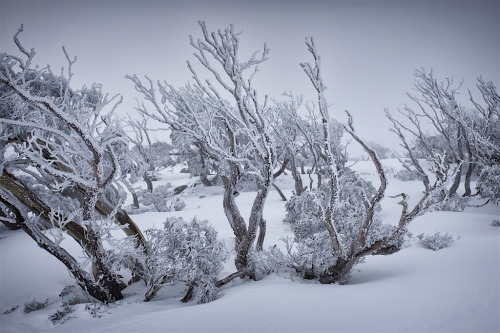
[[369, 49]]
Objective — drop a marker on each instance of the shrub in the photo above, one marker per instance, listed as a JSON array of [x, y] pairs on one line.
[[61, 316], [12, 309], [96, 310], [162, 199], [488, 184], [73, 294], [406, 175], [437, 241], [454, 203], [34, 305], [187, 252]]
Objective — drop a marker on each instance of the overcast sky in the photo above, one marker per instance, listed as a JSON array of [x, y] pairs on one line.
[[369, 49]]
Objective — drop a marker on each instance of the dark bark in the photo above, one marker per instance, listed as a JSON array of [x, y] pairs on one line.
[[17, 188], [189, 294], [282, 196], [458, 177], [299, 187], [149, 182], [97, 252], [282, 169], [470, 167], [83, 279], [262, 235], [337, 272], [468, 178], [228, 279]]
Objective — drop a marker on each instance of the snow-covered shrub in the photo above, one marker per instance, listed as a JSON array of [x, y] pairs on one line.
[[406, 175], [162, 199], [12, 309], [34, 305], [437, 241], [310, 250], [96, 310], [187, 252], [488, 184], [454, 203], [495, 223], [247, 183], [73, 294], [303, 215], [61, 316], [389, 172]]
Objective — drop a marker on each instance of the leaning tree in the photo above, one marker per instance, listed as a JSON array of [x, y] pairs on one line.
[[59, 168], [227, 123]]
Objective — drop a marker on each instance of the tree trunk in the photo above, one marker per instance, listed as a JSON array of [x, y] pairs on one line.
[[97, 251], [468, 178], [262, 235], [299, 187], [470, 168], [338, 272], [458, 177], [105, 277], [236, 222], [282, 196], [83, 278], [149, 182]]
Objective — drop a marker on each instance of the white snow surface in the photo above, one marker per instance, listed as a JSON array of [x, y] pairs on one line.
[[456, 289]]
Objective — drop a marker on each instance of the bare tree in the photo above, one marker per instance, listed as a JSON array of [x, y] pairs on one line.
[[437, 105], [233, 135], [289, 136]]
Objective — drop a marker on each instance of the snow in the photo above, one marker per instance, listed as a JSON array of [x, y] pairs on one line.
[[456, 289]]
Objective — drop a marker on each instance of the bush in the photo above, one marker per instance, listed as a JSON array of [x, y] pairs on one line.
[[495, 223], [73, 294], [162, 199], [61, 316], [12, 309], [34, 305], [96, 310], [187, 252], [407, 175], [488, 184], [454, 203], [436, 242]]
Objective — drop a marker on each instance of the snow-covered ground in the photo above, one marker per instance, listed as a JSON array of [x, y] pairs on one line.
[[456, 289]]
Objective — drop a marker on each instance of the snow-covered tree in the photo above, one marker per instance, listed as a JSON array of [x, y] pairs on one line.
[[228, 123], [468, 135], [59, 166], [336, 225]]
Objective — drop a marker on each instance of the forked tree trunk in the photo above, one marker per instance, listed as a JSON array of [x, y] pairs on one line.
[[245, 237]]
